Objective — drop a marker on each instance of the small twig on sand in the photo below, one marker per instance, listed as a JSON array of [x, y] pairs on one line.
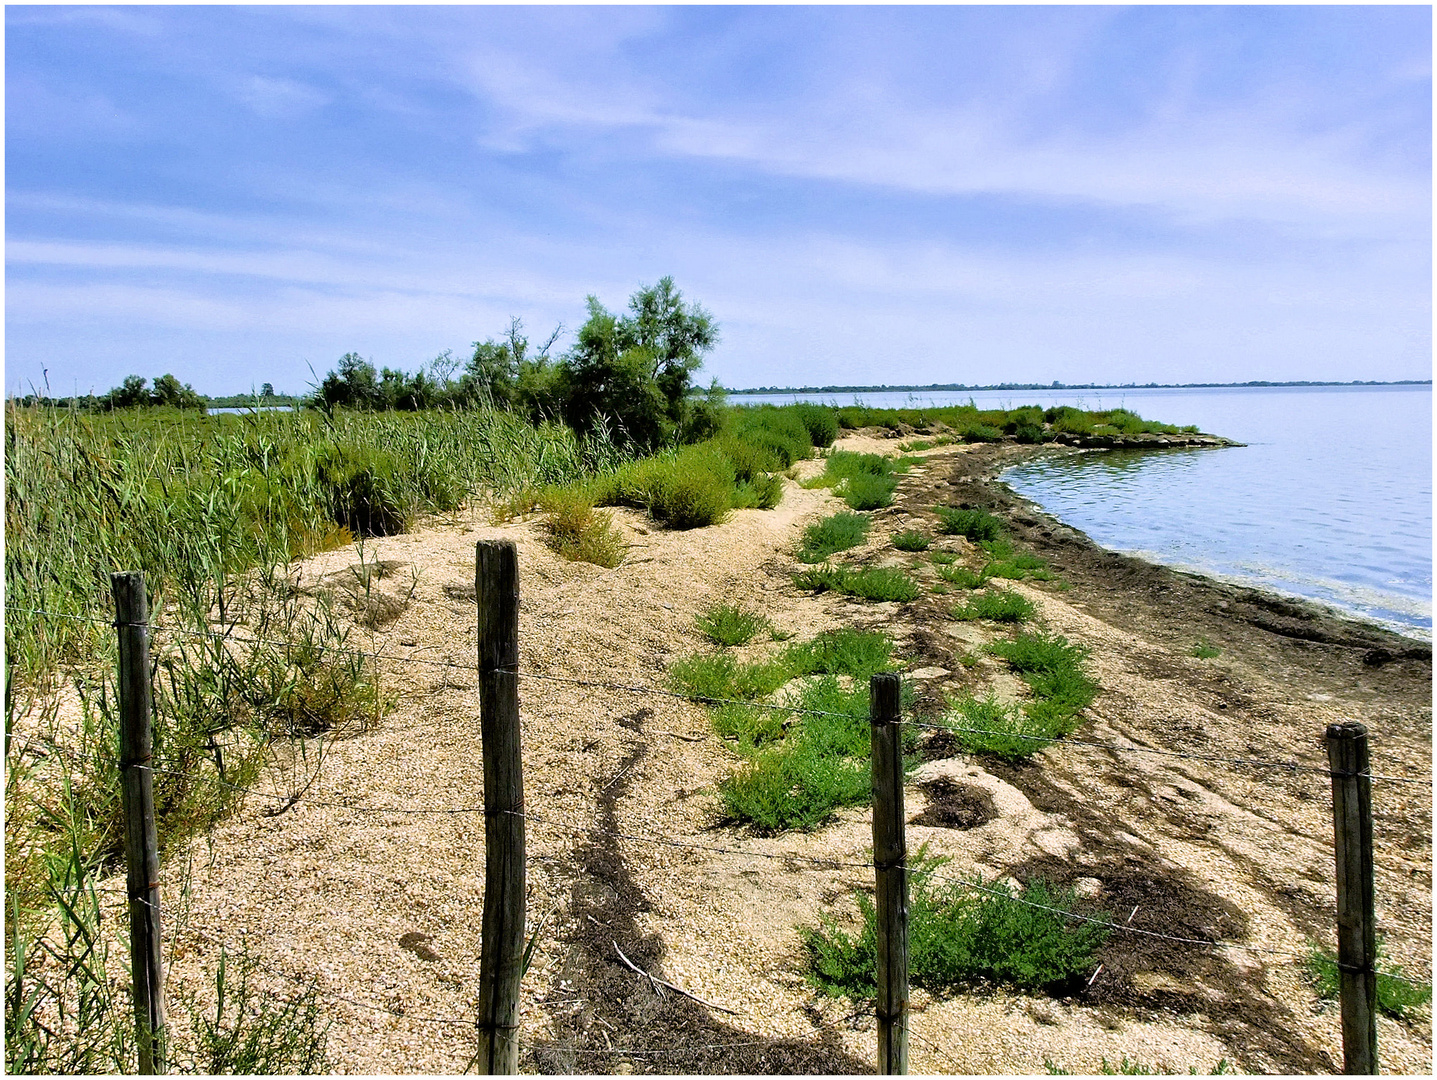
[[686, 738], [657, 982]]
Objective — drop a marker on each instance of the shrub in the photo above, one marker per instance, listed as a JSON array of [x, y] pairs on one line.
[[1018, 567], [820, 420], [747, 726], [793, 787], [911, 540], [763, 492], [879, 583], [696, 490], [577, 531], [866, 492], [842, 652], [942, 558], [839, 532], [728, 624], [1000, 605], [962, 933], [963, 577], [987, 726], [718, 676], [1053, 668], [976, 524]]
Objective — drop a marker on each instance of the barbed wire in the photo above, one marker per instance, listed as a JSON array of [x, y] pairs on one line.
[[704, 699]]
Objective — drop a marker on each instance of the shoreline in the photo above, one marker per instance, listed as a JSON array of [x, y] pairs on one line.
[[1324, 617]]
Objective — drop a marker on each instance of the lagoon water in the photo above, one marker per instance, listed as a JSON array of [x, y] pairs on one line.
[[1330, 500]]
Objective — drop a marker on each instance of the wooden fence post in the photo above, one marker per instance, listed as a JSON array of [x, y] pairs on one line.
[[142, 857], [496, 584], [1347, 757], [890, 865]]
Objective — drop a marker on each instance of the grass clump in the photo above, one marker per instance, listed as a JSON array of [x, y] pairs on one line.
[[999, 605], [987, 726], [912, 540], [729, 624], [1053, 668], [960, 934], [879, 583], [793, 787], [1206, 650], [717, 676], [942, 558], [1396, 995], [975, 523], [842, 652], [577, 531], [963, 577], [833, 534], [1019, 566], [866, 481]]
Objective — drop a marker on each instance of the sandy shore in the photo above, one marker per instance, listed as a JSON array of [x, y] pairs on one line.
[[378, 905]]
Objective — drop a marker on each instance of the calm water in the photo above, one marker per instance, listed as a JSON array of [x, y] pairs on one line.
[[1331, 499]]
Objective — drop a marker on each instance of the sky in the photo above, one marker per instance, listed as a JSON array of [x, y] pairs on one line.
[[858, 195]]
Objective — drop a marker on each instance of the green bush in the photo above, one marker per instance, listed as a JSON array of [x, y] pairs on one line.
[[749, 727], [963, 577], [577, 531], [717, 676], [1000, 605], [960, 934], [987, 726], [839, 532], [842, 652], [1019, 567], [879, 583], [865, 492], [729, 624], [763, 492], [820, 420], [976, 524], [793, 786], [1053, 668], [911, 540]]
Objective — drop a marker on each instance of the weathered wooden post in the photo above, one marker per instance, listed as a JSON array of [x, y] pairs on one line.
[[1347, 758], [890, 865], [142, 852], [496, 584]]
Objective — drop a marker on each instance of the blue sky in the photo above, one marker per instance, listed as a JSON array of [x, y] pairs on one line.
[[858, 195]]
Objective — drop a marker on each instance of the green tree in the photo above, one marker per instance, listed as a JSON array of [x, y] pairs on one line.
[[636, 370], [167, 390]]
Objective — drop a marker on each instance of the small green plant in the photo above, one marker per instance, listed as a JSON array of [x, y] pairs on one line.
[[976, 524], [911, 540], [879, 583], [963, 577], [842, 652], [961, 933], [987, 726], [867, 492], [1396, 995], [1133, 1067], [729, 624], [747, 727], [1206, 650], [999, 605], [942, 558], [833, 534], [1053, 668], [717, 676], [1019, 567], [793, 786]]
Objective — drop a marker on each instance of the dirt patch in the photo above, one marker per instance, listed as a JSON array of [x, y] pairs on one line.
[[955, 806]]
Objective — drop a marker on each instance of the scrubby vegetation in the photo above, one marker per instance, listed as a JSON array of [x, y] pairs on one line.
[[877, 583], [1397, 995], [729, 624], [830, 535], [911, 540], [999, 605], [1054, 670], [961, 934]]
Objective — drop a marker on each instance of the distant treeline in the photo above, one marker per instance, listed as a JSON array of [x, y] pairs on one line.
[[885, 388]]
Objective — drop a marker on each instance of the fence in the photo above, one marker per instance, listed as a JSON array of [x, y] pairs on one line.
[[504, 917]]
